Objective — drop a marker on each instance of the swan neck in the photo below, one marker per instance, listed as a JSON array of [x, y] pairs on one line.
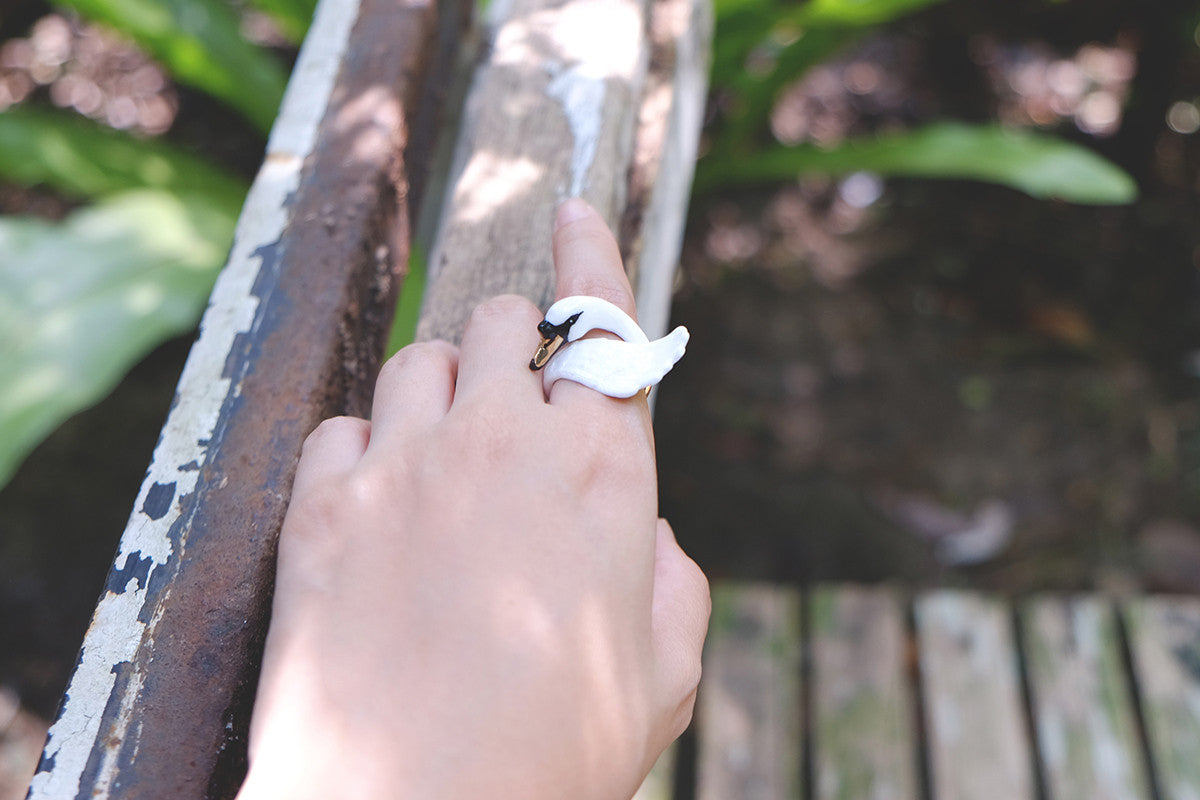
[[604, 316]]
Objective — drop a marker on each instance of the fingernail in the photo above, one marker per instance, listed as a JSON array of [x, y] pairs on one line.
[[570, 211]]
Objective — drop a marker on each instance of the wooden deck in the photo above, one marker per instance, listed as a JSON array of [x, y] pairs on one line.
[[877, 694]]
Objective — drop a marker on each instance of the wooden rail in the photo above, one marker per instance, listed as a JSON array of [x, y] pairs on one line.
[[599, 98], [856, 692]]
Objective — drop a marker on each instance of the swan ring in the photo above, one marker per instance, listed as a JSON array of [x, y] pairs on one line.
[[615, 367]]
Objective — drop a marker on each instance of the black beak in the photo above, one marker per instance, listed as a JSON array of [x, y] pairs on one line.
[[553, 337]]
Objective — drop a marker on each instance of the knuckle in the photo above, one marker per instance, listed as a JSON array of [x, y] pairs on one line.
[[486, 431], [685, 711], [504, 305], [615, 293], [608, 452], [417, 355], [334, 428]]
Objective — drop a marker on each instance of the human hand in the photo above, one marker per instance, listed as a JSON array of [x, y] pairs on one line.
[[475, 596]]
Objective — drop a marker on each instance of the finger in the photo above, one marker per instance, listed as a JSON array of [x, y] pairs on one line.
[[333, 448], [414, 390], [587, 261], [498, 342], [679, 613]]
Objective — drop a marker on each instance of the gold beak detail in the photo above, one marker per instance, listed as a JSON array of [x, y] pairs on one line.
[[546, 349]]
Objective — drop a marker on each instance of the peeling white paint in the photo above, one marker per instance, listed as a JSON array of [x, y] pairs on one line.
[[116, 631], [581, 93]]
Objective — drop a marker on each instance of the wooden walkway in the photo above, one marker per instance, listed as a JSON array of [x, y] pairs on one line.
[[876, 694]]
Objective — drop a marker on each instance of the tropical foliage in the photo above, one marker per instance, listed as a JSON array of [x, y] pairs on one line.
[[84, 298], [763, 46]]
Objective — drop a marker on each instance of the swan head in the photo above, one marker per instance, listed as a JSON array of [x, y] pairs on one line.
[[562, 324], [553, 336]]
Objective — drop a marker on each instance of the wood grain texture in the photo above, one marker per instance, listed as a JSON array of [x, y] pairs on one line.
[[1087, 734], [665, 147], [863, 734], [977, 743], [749, 707], [551, 114], [1164, 638]]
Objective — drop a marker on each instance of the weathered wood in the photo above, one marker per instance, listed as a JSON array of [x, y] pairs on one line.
[[977, 742], [863, 733], [1086, 728], [550, 115], [665, 147], [749, 707], [159, 702], [1164, 638]]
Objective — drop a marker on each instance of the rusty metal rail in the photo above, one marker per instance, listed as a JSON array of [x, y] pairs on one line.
[[159, 702]]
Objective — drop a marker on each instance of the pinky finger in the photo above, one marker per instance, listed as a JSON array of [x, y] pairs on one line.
[[680, 613], [332, 449]]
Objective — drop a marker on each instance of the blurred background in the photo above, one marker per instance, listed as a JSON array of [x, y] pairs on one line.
[[941, 272]]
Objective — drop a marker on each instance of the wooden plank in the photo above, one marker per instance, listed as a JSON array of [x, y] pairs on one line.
[[1164, 639], [664, 155], [976, 735], [749, 707], [160, 700], [1087, 734], [863, 733], [550, 115]]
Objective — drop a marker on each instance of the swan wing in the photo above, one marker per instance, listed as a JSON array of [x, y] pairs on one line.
[[614, 367]]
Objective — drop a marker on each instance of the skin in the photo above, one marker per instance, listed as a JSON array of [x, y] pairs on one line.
[[475, 595]]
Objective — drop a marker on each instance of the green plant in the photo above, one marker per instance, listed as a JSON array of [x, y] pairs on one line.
[[83, 299], [762, 46]]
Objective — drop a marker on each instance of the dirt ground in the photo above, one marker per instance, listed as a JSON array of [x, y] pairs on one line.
[[908, 381], [879, 405]]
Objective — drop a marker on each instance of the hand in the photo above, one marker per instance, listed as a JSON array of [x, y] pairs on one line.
[[475, 596]]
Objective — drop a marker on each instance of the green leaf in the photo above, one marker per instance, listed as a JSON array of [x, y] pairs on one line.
[[81, 301], [79, 157], [783, 40], [1039, 165], [200, 42], [408, 305], [859, 12], [292, 16], [754, 95]]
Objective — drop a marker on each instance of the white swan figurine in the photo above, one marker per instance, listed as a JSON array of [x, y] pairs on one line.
[[615, 368]]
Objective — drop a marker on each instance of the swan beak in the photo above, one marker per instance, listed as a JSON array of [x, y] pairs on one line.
[[546, 349]]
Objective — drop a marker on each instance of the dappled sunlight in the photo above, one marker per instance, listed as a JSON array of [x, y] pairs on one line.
[[370, 117], [601, 34], [1036, 86], [491, 181], [91, 71]]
